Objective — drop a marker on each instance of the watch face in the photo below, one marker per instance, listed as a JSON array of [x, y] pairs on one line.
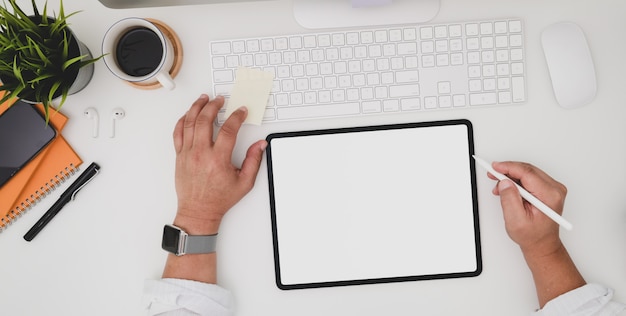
[[171, 239]]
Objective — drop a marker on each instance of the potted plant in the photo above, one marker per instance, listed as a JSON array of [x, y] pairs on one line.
[[40, 58]]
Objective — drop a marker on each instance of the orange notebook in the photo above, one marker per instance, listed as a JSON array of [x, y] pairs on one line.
[[41, 175]]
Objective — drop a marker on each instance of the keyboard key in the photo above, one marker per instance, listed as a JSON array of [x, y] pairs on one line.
[[426, 32], [504, 97], [223, 76], [515, 26], [444, 87], [410, 34], [430, 102], [456, 59], [267, 45], [239, 47], [391, 106], [407, 48], [352, 94], [380, 36], [500, 27], [515, 40], [516, 54], [455, 30], [395, 35], [475, 85], [471, 29], [486, 28], [483, 98], [518, 89], [296, 98], [219, 62], [339, 95], [428, 47], [407, 90], [282, 99], [441, 31], [324, 96], [223, 89], [410, 104], [371, 107], [338, 39], [367, 93], [381, 93], [295, 42], [220, 48], [309, 41], [456, 45], [352, 38], [281, 43], [407, 76], [517, 68], [443, 60], [387, 77], [458, 100], [323, 40], [445, 101], [428, 61], [310, 97], [441, 46], [367, 37], [253, 46]]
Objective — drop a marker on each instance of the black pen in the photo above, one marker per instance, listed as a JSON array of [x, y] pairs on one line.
[[68, 195]]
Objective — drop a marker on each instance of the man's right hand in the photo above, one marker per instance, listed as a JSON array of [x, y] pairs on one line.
[[533, 231]]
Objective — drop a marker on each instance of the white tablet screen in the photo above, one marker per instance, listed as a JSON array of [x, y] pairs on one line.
[[374, 204]]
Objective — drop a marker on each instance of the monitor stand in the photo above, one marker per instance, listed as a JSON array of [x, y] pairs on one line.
[[317, 14]]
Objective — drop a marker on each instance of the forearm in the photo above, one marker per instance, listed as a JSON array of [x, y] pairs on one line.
[[554, 273]]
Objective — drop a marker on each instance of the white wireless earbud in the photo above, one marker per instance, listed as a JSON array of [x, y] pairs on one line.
[[118, 114], [92, 114]]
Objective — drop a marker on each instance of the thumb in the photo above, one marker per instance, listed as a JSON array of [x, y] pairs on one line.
[[511, 201], [252, 162]]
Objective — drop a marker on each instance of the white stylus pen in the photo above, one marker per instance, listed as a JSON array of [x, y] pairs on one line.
[[527, 196]]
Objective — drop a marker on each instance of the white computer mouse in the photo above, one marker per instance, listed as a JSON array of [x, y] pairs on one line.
[[570, 64]]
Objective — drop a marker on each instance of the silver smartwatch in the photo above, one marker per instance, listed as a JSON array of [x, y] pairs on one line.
[[178, 242]]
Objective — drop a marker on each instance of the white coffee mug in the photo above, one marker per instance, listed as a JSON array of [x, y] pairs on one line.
[[160, 74]]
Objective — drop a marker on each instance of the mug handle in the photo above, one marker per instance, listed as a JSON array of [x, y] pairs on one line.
[[166, 80]]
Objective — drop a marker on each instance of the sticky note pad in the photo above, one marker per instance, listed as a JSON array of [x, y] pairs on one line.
[[252, 89]]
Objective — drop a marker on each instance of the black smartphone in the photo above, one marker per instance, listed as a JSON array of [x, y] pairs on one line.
[[23, 134]]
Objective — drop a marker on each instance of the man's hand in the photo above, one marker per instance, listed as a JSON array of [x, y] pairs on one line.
[[525, 224], [537, 235], [207, 182]]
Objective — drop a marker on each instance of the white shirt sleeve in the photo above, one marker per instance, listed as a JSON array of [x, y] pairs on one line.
[[175, 297], [591, 299]]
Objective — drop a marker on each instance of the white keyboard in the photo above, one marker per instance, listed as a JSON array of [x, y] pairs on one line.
[[381, 70]]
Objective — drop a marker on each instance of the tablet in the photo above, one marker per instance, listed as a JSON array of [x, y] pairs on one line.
[[373, 204]]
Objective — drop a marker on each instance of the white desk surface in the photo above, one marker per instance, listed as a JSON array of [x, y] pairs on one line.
[[95, 255]]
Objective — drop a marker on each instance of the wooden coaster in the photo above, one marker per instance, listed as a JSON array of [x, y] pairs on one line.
[[178, 56]]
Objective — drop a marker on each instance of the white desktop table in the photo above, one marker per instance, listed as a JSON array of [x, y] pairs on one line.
[[93, 258]]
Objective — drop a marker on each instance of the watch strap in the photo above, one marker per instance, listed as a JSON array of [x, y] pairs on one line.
[[200, 244]]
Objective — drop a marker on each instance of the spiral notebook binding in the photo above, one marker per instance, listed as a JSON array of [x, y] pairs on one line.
[[34, 198]]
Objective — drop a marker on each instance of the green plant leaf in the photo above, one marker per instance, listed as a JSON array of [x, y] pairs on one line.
[[74, 60]]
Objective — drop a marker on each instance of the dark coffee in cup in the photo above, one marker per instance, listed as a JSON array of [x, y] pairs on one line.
[[139, 52]]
